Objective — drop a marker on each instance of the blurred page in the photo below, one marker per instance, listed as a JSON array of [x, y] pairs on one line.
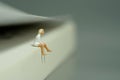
[[12, 16]]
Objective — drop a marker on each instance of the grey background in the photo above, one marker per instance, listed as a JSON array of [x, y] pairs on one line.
[[98, 43]]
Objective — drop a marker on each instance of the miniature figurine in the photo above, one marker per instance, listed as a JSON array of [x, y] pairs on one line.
[[39, 43]]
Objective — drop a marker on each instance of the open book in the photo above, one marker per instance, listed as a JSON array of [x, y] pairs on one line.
[[18, 59]]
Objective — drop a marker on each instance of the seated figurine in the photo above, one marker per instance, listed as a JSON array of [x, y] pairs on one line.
[[39, 43]]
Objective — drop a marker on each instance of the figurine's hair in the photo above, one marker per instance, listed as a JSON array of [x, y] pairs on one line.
[[41, 30]]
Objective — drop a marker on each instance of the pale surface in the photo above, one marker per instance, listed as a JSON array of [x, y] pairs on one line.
[[23, 62]]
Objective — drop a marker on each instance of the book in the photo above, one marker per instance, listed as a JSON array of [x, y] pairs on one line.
[[18, 59]]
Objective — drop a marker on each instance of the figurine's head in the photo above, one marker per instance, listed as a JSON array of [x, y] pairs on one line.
[[41, 31]]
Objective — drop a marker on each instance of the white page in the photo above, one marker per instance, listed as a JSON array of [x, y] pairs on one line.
[[12, 16]]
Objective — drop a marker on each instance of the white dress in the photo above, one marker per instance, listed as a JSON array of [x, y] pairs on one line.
[[37, 40]]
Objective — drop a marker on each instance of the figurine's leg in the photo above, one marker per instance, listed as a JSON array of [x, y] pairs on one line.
[[41, 46], [46, 47], [42, 50]]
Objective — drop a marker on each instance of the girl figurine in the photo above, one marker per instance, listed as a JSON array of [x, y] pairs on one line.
[[39, 43]]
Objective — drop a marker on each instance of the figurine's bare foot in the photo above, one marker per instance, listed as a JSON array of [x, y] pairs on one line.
[[49, 50], [43, 54]]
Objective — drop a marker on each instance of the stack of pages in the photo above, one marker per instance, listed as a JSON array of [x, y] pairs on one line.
[[21, 61]]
